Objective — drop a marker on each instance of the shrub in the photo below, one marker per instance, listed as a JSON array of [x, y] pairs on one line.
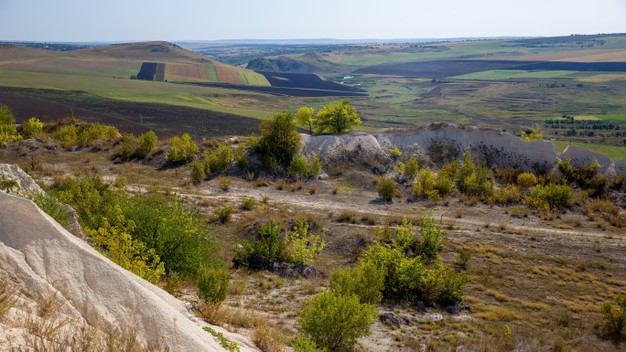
[[387, 188], [336, 118], [444, 184], [241, 159], [586, 176], [334, 321], [424, 184], [298, 167], [315, 166], [304, 247], [267, 245], [220, 160], [212, 285], [366, 281], [182, 149], [32, 127], [549, 197], [480, 182], [8, 131], [615, 317], [128, 147], [161, 222], [507, 195], [147, 143], [224, 183], [224, 214], [432, 238], [51, 206], [248, 203], [279, 141], [394, 152], [415, 275], [115, 241], [197, 172], [411, 168], [303, 344], [526, 180]]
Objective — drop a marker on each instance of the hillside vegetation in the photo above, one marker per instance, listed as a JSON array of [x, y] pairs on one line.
[[390, 251]]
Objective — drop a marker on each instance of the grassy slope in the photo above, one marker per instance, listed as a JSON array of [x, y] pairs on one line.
[[613, 152]]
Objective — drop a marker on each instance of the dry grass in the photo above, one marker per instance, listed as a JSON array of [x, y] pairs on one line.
[[229, 316], [268, 339]]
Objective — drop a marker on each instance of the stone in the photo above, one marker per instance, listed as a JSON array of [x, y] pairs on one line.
[[390, 318]]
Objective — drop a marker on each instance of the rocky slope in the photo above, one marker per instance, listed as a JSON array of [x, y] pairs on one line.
[[43, 261]]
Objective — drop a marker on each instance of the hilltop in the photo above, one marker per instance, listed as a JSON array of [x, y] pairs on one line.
[[124, 61]]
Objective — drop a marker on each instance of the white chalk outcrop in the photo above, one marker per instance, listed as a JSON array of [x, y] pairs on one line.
[[442, 143], [48, 260]]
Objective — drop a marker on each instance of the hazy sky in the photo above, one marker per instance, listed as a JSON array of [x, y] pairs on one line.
[[120, 20]]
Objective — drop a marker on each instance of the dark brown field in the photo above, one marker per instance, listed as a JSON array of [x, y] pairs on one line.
[[129, 117]]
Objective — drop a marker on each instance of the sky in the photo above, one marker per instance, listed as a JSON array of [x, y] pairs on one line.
[[180, 20]]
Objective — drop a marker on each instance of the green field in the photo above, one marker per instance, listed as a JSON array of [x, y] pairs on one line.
[[502, 75], [612, 152], [600, 117], [248, 104]]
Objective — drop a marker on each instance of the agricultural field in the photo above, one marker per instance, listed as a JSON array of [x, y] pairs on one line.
[[507, 84]]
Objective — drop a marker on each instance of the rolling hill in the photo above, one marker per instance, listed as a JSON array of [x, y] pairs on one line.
[[126, 60]]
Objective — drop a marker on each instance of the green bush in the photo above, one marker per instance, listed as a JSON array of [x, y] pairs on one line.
[[432, 238], [127, 147], [303, 344], [248, 203], [480, 182], [549, 197], [32, 127], [411, 168], [424, 184], [336, 118], [220, 160], [586, 176], [615, 317], [412, 269], [8, 131], [147, 142], [279, 141], [394, 152], [387, 188], [85, 134], [224, 183], [334, 321], [212, 285], [197, 172], [367, 281], [315, 167], [182, 149], [508, 195], [304, 247], [241, 159], [159, 222], [268, 245], [224, 214], [526, 180], [51, 206], [299, 167]]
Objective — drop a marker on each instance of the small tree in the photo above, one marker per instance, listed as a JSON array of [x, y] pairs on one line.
[[147, 143], [336, 118], [411, 168], [387, 188], [279, 140], [197, 173], [32, 127], [334, 321], [615, 318], [182, 150], [213, 285], [304, 116]]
